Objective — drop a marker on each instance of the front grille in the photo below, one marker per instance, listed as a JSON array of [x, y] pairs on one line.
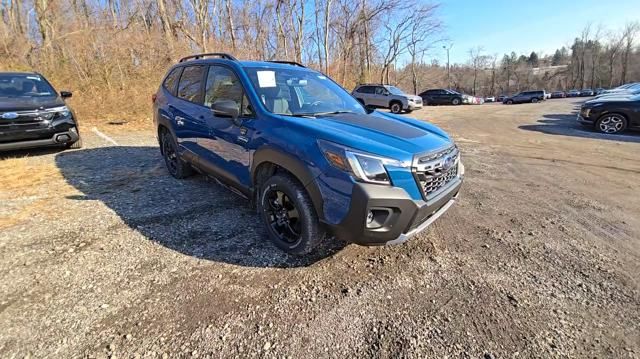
[[25, 120], [432, 181], [435, 170]]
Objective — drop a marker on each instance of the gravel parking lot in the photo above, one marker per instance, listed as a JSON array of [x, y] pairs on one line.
[[103, 254]]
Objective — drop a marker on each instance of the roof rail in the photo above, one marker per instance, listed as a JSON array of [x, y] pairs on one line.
[[287, 62], [221, 55]]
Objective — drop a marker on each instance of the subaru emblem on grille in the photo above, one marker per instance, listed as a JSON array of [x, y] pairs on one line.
[[9, 115]]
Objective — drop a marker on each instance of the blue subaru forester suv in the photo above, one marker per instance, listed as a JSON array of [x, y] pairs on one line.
[[311, 158]]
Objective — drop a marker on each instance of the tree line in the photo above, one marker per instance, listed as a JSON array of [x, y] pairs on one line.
[[598, 57], [113, 53]]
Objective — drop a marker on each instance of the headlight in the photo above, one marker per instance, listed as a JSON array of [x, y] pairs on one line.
[[364, 167], [61, 111]]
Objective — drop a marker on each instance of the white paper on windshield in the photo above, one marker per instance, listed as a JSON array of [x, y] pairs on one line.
[[267, 78]]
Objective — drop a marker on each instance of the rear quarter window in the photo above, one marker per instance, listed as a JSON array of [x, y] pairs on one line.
[[171, 81], [190, 85]]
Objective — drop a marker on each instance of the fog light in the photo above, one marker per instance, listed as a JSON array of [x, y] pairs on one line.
[[62, 138], [378, 217]]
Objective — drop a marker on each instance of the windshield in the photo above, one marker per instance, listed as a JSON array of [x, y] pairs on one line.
[[24, 85], [293, 92], [395, 90]]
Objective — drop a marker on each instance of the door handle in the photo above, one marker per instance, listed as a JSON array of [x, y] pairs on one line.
[[180, 120]]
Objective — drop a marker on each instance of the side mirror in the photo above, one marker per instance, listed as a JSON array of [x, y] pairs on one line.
[[65, 94], [370, 108], [227, 108]]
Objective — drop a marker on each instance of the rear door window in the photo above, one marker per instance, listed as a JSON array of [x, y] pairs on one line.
[[366, 89], [190, 86], [171, 81]]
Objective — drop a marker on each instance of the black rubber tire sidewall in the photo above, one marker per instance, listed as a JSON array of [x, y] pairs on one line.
[[312, 233], [183, 169], [456, 101]]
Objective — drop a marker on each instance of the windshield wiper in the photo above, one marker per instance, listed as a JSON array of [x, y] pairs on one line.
[[313, 114]]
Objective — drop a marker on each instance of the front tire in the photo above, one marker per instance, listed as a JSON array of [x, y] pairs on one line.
[[611, 123], [534, 100], [288, 213], [395, 107], [176, 166], [455, 101], [509, 102]]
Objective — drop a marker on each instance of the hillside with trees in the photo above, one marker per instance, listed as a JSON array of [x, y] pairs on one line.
[[113, 53]]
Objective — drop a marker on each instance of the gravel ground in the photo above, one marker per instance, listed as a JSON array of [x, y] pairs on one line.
[[105, 255]]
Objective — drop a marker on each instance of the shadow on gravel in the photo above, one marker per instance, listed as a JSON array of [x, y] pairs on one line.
[[195, 216], [566, 125]]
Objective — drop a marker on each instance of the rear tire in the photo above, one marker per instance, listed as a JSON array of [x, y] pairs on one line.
[[289, 216], [176, 166], [611, 123], [534, 100]]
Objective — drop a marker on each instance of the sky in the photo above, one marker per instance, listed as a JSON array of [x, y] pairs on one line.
[[501, 26]]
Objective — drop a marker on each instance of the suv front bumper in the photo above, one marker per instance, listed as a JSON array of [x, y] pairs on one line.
[[400, 216], [52, 139], [414, 106]]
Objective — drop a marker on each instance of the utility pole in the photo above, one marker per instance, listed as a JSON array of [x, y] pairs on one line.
[[448, 66]]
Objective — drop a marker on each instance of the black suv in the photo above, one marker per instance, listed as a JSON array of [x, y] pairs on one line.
[[33, 114], [440, 97], [526, 96]]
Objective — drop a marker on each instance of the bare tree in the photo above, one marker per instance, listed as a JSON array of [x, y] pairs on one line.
[[630, 32], [613, 49], [424, 27], [476, 60]]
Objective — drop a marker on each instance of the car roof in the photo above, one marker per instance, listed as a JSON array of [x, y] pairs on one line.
[[264, 64], [19, 73]]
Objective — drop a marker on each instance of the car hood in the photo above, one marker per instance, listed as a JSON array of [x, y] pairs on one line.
[[379, 133], [607, 99], [28, 103]]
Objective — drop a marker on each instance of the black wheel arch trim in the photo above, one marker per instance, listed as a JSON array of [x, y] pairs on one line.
[[294, 166]]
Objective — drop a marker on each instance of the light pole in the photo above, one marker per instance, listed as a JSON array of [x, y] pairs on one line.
[[448, 65]]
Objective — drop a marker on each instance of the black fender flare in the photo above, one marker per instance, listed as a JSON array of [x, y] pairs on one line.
[[164, 122], [293, 165]]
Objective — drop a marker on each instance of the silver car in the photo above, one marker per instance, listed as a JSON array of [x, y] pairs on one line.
[[386, 96]]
